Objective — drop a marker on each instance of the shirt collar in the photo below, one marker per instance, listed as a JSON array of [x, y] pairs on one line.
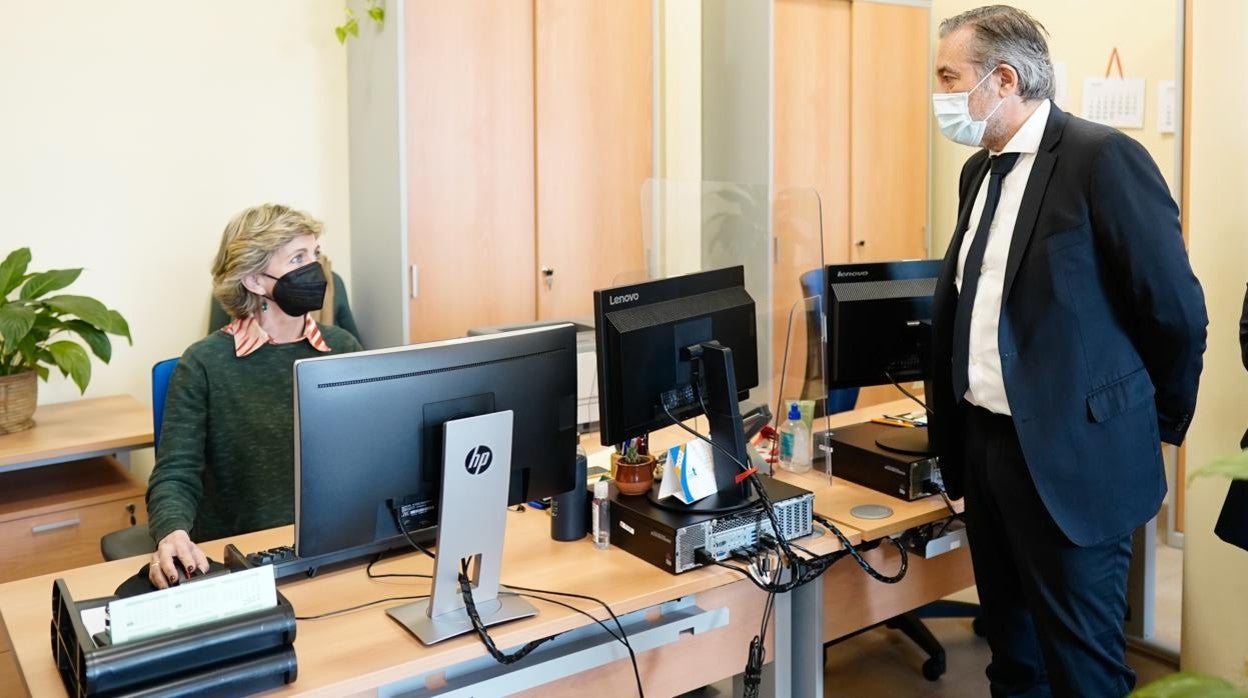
[[249, 336], [1029, 135]]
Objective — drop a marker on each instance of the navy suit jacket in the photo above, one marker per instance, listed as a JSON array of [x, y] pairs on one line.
[[1101, 333]]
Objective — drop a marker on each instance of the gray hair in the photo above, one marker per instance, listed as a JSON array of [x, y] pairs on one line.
[[1005, 34]]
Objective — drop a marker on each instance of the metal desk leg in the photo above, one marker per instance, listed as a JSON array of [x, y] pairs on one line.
[[806, 640], [1141, 582], [796, 666]]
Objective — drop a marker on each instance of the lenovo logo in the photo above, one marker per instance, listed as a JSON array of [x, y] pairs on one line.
[[850, 274], [626, 298]]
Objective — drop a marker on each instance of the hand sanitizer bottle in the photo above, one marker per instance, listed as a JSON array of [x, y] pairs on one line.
[[795, 455], [601, 516]]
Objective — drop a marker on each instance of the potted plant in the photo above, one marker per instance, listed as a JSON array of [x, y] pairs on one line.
[[634, 468], [35, 335]]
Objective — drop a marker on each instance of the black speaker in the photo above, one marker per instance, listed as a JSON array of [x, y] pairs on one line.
[[569, 511]]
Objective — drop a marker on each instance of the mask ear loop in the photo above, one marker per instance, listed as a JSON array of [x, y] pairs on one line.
[[968, 97]]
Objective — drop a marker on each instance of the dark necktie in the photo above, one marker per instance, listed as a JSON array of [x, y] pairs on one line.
[[1000, 167]]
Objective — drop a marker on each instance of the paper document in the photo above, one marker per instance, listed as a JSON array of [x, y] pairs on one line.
[[95, 620], [689, 474], [191, 603]]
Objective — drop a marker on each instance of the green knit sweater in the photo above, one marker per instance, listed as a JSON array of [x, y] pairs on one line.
[[225, 464]]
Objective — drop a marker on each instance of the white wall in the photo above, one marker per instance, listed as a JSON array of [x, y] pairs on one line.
[[1215, 574], [1082, 34], [132, 130]]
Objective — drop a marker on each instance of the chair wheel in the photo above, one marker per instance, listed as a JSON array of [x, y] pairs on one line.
[[977, 626], [933, 669]]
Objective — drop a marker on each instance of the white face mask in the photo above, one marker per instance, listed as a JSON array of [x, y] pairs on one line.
[[953, 115]]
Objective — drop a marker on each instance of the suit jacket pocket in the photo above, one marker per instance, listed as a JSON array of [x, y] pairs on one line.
[[1121, 395]]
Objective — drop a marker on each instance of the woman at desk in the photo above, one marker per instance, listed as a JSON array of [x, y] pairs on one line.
[[226, 451]]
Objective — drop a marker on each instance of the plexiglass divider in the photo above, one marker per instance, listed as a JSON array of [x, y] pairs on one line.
[[690, 226]]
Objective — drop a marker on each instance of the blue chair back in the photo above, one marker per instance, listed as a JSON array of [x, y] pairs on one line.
[[161, 373], [842, 400]]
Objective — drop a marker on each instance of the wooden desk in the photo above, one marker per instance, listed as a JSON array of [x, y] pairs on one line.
[[366, 650], [52, 518], [363, 652], [79, 429]]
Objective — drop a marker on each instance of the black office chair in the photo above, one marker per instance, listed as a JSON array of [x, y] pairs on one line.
[[911, 622]]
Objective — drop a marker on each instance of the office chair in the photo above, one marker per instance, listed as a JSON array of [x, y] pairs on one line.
[[911, 622], [136, 539]]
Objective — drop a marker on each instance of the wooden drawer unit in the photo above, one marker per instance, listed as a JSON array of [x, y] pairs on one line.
[[52, 517]]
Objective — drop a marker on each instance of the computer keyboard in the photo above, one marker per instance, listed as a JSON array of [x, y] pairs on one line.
[[272, 556], [286, 563]]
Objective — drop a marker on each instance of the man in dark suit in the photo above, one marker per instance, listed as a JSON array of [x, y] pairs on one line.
[[1068, 330], [1232, 525]]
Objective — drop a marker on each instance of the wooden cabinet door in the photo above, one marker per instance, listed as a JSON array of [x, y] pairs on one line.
[[811, 151], [594, 146], [890, 122], [470, 164]]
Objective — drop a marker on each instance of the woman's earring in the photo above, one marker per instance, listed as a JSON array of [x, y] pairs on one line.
[[264, 306]]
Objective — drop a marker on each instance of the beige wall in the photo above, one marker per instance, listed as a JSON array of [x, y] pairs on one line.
[[133, 130], [1082, 34], [1215, 579]]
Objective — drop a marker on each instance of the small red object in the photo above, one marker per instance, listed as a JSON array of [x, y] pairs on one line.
[[744, 474]]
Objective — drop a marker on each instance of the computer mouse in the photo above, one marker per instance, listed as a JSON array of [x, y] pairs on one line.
[[140, 583]]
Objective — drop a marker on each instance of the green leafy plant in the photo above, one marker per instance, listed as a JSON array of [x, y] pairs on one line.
[[1188, 685], [1234, 467], [635, 451], [35, 328], [351, 27]]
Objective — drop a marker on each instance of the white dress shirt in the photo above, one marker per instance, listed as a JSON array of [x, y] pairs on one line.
[[986, 384]]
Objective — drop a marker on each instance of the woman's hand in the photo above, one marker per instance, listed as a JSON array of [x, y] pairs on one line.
[[177, 545]]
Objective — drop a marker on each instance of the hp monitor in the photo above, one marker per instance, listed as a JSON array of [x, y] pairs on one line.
[[369, 430]]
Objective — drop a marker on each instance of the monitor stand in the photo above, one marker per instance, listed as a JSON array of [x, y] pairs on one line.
[[476, 472], [715, 380]]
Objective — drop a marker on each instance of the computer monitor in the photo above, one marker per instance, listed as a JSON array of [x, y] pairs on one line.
[[368, 430], [879, 330], [688, 343]]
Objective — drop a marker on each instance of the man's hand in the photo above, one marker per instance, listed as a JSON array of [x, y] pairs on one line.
[[177, 545]]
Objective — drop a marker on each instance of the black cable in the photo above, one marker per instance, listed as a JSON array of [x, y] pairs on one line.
[[907, 393], [329, 614], [622, 637], [465, 589], [398, 520], [377, 558], [753, 674], [866, 566], [470, 606]]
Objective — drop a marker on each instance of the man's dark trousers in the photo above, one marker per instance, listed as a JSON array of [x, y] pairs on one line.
[[1022, 560]]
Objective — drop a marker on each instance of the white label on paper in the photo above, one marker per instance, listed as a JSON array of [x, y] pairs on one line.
[[191, 603]]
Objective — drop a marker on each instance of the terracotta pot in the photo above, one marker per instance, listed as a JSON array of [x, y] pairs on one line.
[[18, 394], [635, 478]]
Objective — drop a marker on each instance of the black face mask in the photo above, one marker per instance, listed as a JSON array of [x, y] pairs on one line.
[[300, 291]]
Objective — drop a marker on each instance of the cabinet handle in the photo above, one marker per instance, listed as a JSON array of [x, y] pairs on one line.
[[548, 276], [43, 528], [860, 243]]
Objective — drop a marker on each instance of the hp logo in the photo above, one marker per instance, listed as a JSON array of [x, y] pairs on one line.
[[478, 460]]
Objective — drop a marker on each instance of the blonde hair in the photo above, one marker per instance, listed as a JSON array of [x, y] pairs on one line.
[[247, 245]]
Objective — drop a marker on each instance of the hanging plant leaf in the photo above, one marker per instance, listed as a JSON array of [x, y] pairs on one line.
[[73, 361], [13, 270], [82, 307], [48, 281], [15, 323]]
